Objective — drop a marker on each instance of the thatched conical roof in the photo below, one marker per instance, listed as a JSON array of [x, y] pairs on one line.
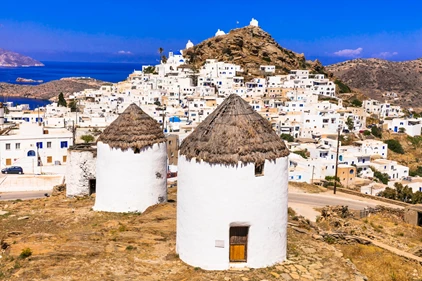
[[234, 132], [133, 129]]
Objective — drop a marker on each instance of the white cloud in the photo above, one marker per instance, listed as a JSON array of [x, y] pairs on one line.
[[384, 55], [349, 52], [124, 52]]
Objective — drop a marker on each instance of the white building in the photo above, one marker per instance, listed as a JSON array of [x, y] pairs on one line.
[[411, 127], [32, 147], [131, 164], [231, 206], [81, 170]]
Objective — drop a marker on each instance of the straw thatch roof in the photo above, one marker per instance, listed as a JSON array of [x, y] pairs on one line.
[[132, 129], [234, 132]]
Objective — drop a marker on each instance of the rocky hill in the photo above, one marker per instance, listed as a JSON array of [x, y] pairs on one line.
[[249, 47], [50, 89], [375, 77], [12, 59]]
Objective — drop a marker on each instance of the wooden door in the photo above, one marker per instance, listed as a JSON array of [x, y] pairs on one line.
[[49, 159], [8, 162], [64, 158], [238, 243]]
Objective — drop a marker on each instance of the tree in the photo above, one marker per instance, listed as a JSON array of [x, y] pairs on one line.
[[350, 123], [395, 146], [417, 197], [356, 103], [402, 130], [287, 137], [149, 70], [73, 105], [366, 133], [404, 193], [87, 138], [376, 132], [62, 101], [389, 193], [382, 177]]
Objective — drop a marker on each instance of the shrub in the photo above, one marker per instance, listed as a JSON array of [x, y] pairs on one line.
[[383, 177], [376, 132], [287, 137], [87, 138], [343, 88], [356, 103], [366, 133], [395, 146], [27, 252], [267, 59], [301, 153]]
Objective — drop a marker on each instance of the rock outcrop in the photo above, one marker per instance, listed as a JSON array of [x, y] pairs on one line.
[[249, 47]]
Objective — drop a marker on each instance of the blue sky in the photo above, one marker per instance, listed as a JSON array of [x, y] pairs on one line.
[[132, 31]]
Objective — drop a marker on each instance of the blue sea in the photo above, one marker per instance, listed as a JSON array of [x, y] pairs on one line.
[[110, 72]]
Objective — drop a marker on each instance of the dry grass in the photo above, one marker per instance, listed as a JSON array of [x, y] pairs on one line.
[[133, 129], [380, 265], [309, 188], [234, 132]]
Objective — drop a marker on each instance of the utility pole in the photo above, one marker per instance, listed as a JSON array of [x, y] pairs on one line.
[[338, 146], [312, 180]]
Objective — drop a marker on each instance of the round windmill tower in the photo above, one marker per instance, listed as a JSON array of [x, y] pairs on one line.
[[131, 164], [232, 191]]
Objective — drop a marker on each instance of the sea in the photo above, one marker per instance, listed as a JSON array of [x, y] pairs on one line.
[[110, 72]]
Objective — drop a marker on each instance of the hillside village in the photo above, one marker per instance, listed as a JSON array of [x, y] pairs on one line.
[[302, 107], [171, 127]]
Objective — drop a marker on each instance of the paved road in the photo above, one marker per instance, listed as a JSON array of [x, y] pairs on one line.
[[321, 200], [23, 195], [311, 200]]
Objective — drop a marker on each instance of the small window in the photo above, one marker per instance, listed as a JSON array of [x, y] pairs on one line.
[[17, 146], [259, 169], [7, 146], [63, 144], [49, 144], [39, 144]]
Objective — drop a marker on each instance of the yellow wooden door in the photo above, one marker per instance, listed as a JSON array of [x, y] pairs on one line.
[[237, 252], [8, 162], [64, 158], [49, 159]]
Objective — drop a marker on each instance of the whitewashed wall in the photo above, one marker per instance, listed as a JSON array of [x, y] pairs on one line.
[[80, 168], [129, 182], [211, 198]]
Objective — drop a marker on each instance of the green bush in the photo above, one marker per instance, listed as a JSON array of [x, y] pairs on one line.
[[356, 103], [287, 137], [343, 88], [383, 177], [301, 153], [394, 145], [366, 133], [87, 138], [27, 252], [376, 132]]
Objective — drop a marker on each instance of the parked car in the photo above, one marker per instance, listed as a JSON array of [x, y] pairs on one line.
[[12, 170]]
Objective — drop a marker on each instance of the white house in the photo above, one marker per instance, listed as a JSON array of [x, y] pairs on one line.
[[232, 191], [31, 147]]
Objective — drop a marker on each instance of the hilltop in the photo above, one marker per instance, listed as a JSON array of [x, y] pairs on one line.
[[12, 59], [250, 47], [50, 89], [375, 77]]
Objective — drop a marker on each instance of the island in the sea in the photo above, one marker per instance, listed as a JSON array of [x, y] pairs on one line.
[[12, 59], [27, 80]]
